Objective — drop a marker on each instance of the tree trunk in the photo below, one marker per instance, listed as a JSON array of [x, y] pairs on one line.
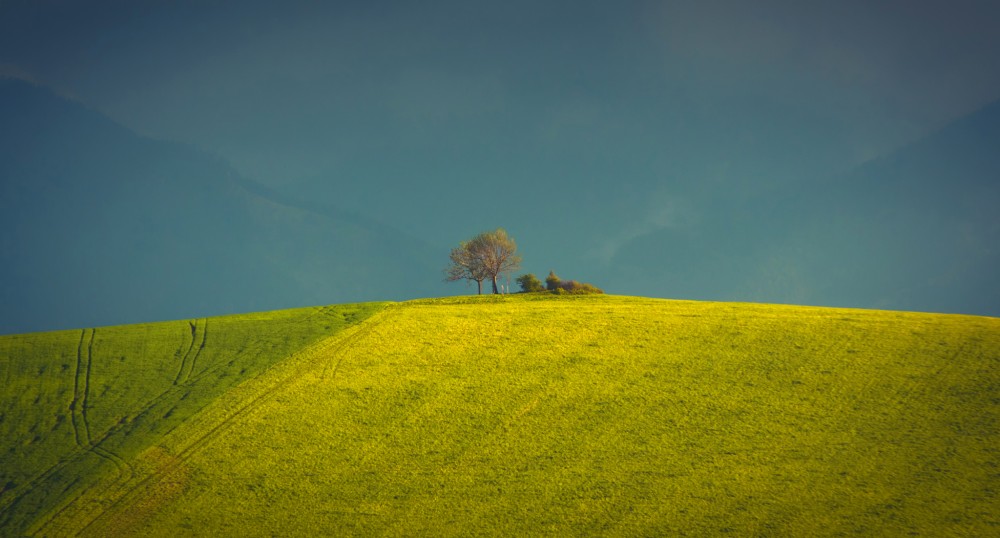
[[480, 284], [495, 290]]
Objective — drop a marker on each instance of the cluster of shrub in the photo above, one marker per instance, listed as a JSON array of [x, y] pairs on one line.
[[530, 284]]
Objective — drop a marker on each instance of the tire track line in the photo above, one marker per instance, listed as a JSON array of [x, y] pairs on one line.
[[12, 501], [81, 424], [364, 328], [74, 406], [181, 373], [124, 467], [339, 343], [131, 470], [286, 381], [86, 388], [204, 340], [76, 417], [74, 409], [120, 464]]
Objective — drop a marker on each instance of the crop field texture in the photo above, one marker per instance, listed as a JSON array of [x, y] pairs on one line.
[[78, 407], [523, 415]]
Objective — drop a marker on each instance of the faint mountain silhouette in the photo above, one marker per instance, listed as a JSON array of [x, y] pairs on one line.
[[917, 229], [101, 226]]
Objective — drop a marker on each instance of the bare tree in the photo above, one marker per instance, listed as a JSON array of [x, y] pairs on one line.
[[464, 266], [496, 252], [487, 255]]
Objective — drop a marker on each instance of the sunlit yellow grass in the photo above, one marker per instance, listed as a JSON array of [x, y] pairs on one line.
[[592, 415]]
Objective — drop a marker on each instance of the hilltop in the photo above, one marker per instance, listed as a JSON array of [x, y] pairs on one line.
[[102, 225], [506, 415]]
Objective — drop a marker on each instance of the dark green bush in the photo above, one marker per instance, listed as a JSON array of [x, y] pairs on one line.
[[529, 283]]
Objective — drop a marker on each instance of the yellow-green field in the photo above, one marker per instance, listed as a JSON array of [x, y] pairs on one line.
[[518, 415]]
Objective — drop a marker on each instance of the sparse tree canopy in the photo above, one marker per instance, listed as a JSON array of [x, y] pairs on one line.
[[497, 253], [465, 266], [487, 255], [552, 281]]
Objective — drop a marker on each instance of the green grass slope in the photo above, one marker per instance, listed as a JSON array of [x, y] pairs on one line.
[[511, 416], [79, 406]]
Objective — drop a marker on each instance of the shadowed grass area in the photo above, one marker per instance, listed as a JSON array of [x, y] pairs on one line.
[[582, 415], [78, 406]]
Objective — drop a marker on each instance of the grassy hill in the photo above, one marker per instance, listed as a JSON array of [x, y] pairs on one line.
[[507, 415]]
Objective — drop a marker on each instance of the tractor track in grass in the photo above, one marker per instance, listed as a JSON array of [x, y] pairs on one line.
[[119, 463], [76, 419], [184, 359], [139, 486], [81, 402], [201, 346], [75, 405], [85, 404], [191, 355], [359, 329], [81, 427], [125, 469], [81, 390], [128, 470], [80, 420]]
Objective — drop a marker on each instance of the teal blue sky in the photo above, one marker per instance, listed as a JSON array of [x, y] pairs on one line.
[[287, 89], [587, 129]]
